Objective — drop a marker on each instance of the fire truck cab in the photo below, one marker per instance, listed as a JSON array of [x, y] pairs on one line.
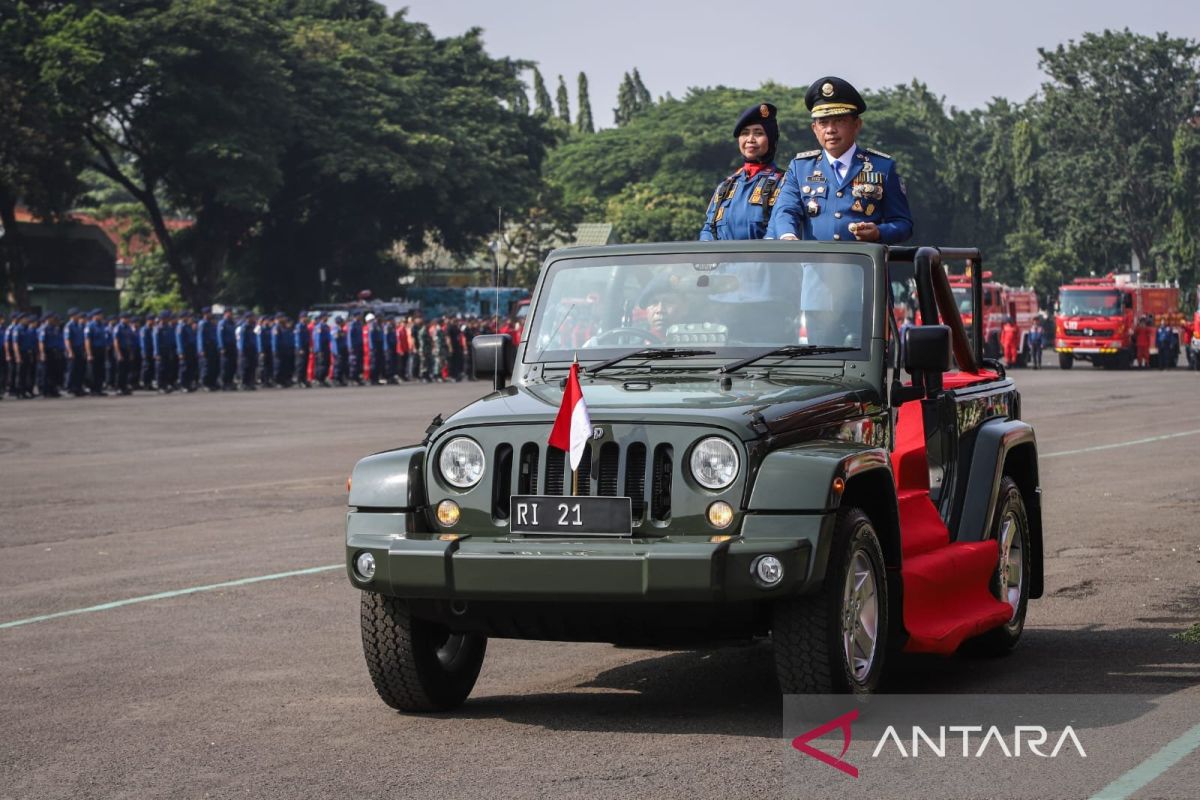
[[1097, 320], [1000, 302]]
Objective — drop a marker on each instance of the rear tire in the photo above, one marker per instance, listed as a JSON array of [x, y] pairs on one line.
[[1065, 360], [1010, 582], [415, 664], [835, 641]]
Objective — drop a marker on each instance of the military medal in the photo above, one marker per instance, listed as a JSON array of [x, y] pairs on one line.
[[867, 166], [813, 208], [807, 190], [870, 209], [857, 206]]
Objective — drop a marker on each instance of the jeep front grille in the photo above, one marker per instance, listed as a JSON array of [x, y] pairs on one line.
[[601, 473]]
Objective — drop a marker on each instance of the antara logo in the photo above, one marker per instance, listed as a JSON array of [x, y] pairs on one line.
[[1033, 737]]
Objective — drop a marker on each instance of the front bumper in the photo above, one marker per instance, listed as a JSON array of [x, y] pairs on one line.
[[675, 568]]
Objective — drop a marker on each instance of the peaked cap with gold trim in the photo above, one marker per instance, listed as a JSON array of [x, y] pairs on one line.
[[830, 96]]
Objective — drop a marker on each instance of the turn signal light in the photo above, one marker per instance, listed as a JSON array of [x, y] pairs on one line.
[[448, 513]]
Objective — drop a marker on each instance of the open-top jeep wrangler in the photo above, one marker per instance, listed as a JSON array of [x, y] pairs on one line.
[[767, 457]]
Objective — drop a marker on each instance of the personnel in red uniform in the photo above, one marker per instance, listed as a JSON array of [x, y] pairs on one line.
[[1145, 337], [1010, 339]]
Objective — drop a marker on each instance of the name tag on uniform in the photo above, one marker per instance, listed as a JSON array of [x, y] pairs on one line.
[[815, 178]]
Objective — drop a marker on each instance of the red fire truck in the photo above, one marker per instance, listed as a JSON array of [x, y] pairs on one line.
[[1097, 320], [999, 302], [1193, 348]]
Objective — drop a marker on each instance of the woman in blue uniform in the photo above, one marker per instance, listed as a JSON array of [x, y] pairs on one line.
[[741, 206]]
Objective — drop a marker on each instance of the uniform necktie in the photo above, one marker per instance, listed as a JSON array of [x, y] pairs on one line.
[[837, 170]]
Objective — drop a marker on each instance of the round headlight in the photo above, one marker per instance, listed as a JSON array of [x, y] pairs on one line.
[[461, 462], [714, 463]]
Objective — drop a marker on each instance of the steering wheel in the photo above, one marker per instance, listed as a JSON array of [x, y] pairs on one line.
[[646, 336]]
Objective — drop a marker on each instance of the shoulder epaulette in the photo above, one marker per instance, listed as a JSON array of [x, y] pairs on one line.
[[808, 154], [875, 152]]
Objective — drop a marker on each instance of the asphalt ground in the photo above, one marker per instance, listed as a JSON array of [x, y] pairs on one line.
[[260, 690]]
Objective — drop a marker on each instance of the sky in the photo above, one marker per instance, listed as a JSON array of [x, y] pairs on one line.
[[967, 52]]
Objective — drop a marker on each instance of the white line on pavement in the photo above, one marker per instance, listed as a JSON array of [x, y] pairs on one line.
[[1099, 447]]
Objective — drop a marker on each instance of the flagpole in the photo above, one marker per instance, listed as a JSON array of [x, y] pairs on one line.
[[574, 471]]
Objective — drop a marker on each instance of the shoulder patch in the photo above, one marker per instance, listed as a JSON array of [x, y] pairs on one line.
[[875, 152], [808, 154]]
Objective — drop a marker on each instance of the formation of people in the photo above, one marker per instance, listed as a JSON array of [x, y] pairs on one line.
[[88, 353]]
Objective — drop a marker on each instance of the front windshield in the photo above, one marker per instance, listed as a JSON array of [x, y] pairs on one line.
[[1089, 303], [962, 299], [598, 307]]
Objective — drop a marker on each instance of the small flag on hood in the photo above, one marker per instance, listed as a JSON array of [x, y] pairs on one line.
[[573, 426]]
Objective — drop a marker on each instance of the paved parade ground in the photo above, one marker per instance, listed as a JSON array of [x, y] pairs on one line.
[[258, 688]]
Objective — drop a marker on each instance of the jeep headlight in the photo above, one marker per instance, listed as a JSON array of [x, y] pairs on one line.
[[461, 462], [714, 463]]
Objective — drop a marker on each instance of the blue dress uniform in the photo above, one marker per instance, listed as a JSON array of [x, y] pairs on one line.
[[741, 206], [355, 351], [76, 357], [341, 353], [247, 345], [125, 340], [266, 351], [186, 353], [815, 203], [50, 357], [322, 345], [208, 350], [375, 350], [389, 350], [166, 357], [227, 341], [283, 351], [146, 345], [96, 337], [302, 346]]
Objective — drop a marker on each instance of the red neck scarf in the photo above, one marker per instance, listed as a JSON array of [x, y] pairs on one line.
[[752, 168]]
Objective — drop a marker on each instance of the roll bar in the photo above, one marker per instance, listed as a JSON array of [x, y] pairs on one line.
[[936, 299]]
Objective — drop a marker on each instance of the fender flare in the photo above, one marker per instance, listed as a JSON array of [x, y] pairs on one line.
[[800, 477], [391, 480]]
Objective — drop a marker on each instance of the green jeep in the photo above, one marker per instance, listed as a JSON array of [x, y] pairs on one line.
[[769, 455]]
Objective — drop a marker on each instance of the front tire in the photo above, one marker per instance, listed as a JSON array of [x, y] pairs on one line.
[[1010, 583], [415, 664], [835, 641], [1065, 360]]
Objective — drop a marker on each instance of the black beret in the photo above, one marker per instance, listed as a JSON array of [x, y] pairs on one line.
[[830, 96], [762, 114]]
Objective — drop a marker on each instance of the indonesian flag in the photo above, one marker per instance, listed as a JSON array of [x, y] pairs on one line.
[[572, 426]]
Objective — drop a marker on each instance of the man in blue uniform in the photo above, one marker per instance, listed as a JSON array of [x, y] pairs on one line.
[[247, 345], [95, 346], [322, 343], [186, 353], [356, 351], [124, 346], [341, 352], [207, 350], [76, 359], [841, 192], [49, 356], [166, 357], [283, 351], [146, 346], [227, 341], [389, 348], [266, 352], [741, 205], [302, 346]]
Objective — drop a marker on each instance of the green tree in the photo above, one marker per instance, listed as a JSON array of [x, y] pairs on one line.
[[543, 105], [1183, 242], [583, 121], [563, 102], [641, 213], [624, 111], [1112, 104], [641, 95]]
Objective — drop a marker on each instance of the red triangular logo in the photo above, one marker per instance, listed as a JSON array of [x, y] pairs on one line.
[[842, 722]]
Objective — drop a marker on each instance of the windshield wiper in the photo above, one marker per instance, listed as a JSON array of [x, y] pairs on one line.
[[650, 354], [786, 350]]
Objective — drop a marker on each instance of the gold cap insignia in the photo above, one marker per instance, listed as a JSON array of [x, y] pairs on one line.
[[764, 111], [827, 90]]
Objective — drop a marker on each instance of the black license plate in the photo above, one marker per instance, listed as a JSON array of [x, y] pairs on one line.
[[571, 516]]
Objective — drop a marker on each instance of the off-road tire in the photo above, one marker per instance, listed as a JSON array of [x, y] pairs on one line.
[[1000, 641], [806, 631], [1065, 360], [402, 653]]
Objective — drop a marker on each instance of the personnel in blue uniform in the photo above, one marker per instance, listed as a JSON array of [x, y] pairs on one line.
[[186, 352], [95, 345], [283, 351], [375, 350], [166, 357], [207, 349], [49, 356], [356, 352], [322, 344], [841, 192], [389, 349], [3, 354], [741, 206], [124, 346], [76, 359], [11, 356], [135, 352], [266, 353], [146, 348], [247, 345], [227, 342], [341, 352], [302, 346]]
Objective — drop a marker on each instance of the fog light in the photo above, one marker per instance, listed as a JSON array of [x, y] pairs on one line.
[[720, 514], [767, 570], [364, 565], [448, 513]]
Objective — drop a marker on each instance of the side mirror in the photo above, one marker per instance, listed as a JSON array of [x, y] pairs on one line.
[[927, 348], [926, 358], [493, 356]]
